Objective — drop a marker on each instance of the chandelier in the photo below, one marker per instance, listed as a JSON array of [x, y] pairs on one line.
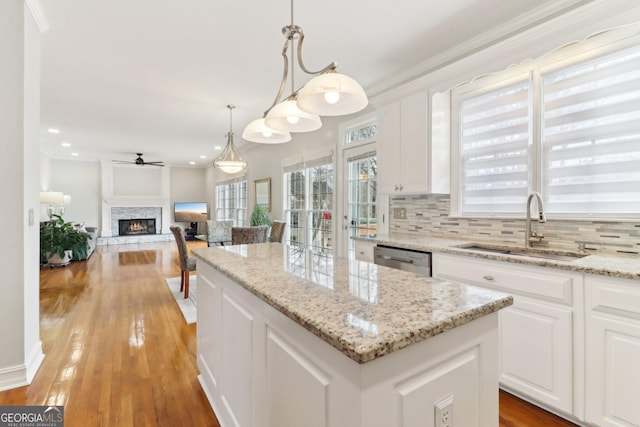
[[229, 160], [329, 93]]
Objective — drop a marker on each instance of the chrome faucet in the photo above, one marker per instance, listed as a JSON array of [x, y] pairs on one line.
[[532, 236]]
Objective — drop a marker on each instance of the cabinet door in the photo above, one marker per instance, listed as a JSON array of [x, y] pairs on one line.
[[388, 148], [536, 355], [613, 352], [364, 250], [537, 332], [414, 163]]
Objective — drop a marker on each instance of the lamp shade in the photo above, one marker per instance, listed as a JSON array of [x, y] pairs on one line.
[[229, 161], [67, 200], [52, 197], [258, 131], [332, 94], [287, 117]]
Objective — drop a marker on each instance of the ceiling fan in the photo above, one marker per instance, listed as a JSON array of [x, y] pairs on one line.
[[140, 161]]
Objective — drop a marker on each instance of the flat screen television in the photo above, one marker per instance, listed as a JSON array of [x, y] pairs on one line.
[[190, 212]]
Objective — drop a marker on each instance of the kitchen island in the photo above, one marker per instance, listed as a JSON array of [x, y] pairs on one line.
[[288, 337]]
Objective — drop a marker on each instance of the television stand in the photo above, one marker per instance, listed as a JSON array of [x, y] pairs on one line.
[[191, 232]]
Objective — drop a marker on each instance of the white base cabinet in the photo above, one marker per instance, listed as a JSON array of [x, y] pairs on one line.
[[540, 346], [364, 250], [259, 368], [613, 351]]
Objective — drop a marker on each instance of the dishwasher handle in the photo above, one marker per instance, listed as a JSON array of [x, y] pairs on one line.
[[387, 257]]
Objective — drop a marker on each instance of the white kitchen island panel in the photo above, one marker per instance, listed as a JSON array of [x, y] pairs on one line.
[[268, 370]]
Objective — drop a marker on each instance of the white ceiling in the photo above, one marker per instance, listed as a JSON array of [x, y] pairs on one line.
[[154, 76]]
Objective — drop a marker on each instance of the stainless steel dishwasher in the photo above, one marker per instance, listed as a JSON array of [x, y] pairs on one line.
[[403, 259]]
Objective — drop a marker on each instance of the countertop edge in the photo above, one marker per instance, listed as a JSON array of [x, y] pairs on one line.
[[361, 356]]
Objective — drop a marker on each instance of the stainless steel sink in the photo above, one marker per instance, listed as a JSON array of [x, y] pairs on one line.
[[533, 253]]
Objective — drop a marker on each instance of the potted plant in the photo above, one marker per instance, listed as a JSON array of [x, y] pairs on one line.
[[59, 240], [260, 216]]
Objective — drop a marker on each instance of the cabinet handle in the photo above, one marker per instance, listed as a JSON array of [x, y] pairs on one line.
[[487, 277]]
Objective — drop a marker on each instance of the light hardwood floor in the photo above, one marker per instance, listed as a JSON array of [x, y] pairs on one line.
[[118, 352]]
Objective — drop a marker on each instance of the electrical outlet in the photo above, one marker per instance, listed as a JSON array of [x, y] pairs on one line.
[[444, 412], [399, 213]]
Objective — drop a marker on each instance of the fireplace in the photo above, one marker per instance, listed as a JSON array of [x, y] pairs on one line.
[[127, 227]]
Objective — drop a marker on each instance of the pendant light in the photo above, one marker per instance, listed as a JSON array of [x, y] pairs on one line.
[[258, 131], [230, 161], [329, 94]]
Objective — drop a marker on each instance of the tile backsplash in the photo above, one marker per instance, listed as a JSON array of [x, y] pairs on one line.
[[428, 215]]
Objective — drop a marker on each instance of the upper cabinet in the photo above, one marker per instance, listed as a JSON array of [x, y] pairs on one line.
[[408, 146]]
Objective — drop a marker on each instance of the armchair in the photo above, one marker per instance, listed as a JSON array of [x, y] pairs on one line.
[[219, 232]]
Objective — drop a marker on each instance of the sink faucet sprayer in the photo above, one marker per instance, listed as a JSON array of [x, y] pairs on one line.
[[532, 236]]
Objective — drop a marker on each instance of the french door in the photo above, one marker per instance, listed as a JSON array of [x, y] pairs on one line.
[[360, 194]]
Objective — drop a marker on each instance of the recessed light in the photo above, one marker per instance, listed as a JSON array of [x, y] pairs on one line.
[[52, 130], [203, 157], [75, 154], [192, 163], [66, 144], [217, 147]]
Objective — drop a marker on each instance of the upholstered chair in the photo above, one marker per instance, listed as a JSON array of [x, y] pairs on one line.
[[277, 231], [245, 235], [219, 232], [187, 263]]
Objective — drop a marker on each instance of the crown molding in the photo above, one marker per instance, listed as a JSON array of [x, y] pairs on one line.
[[38, 15], [575, 17]]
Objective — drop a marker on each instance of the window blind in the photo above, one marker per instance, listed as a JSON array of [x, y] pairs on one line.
[[495, 129], [591, 136]]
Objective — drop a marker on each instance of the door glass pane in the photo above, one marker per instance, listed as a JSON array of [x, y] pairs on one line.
[[362, 220]]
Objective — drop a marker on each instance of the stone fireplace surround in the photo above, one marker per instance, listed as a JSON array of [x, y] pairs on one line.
[[134, 213], [115, 208]]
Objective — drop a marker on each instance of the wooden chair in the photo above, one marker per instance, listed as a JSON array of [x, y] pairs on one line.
[[187, 263], [277, 231], [246, 235]]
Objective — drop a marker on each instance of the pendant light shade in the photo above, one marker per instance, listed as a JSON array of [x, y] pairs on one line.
[[258, 131], [332, 94], [230, 161], [327, 94], [287, 117]]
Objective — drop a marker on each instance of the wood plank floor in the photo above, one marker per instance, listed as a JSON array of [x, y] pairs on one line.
[[118, 352]]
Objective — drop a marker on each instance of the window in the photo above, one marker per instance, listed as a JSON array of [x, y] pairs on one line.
[[309, 204], [231, 201], [568, 128], [361, 134]]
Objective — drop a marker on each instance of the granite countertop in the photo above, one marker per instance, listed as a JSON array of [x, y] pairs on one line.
[[623, 266], [364, 310]]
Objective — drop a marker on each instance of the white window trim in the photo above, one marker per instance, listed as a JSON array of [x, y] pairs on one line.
[[593, 46]]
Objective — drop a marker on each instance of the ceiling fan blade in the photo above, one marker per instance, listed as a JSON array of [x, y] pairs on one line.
[[154, 163]]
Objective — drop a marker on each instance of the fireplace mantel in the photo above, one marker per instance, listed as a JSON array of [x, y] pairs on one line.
[[135, 201]]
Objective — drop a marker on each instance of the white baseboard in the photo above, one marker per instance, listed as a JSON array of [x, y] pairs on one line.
[[21, 375]]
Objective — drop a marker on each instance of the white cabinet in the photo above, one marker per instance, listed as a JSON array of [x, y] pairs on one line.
[[613, 351], [413, 146], [402, 147], [364, 250], [539, 347]]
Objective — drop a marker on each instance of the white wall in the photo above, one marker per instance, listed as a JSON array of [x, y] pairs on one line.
[[137, 181], [80, 180], [19, 165]]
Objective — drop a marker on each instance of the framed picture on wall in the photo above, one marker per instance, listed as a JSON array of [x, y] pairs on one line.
[[262, 192]]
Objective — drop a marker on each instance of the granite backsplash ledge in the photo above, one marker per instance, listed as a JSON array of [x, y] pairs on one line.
[[428, 215]]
